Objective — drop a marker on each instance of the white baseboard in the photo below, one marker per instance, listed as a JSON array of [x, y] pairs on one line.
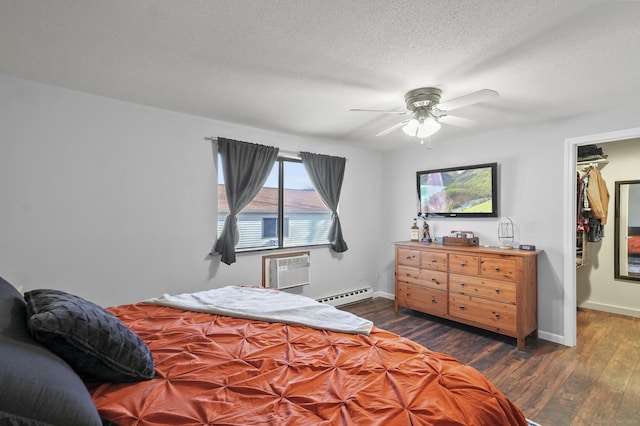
[[384, 294], [611, 309], [551, 337]]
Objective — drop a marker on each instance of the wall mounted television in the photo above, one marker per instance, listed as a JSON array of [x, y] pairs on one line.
[[461, 192]]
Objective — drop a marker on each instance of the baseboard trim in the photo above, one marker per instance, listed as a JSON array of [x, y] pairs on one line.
[[613, 309], [551, 337], [384, 294]]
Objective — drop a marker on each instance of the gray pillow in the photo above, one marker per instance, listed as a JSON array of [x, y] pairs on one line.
[[38, 388], [92, 340]]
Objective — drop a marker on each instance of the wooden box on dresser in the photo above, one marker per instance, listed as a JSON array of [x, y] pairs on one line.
[[491, 288]]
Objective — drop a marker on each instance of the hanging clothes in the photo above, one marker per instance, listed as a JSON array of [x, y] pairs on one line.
[[583, 203], [593, 205], [598, 196]]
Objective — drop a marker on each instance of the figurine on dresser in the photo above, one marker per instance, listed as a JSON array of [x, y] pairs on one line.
[[426, 238]]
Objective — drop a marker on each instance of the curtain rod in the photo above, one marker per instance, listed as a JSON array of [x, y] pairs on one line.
[[282, 151]]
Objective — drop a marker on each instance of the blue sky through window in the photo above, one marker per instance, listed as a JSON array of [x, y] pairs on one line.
[[295, 176]]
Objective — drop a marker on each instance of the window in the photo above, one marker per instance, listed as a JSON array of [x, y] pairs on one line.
[[287, 211], [270, 227]]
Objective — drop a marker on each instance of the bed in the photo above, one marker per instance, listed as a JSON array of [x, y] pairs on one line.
[[214, 369]]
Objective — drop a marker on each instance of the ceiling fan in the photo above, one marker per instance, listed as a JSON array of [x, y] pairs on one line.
[[427, 112]]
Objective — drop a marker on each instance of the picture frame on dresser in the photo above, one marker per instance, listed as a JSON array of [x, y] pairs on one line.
[[485, 287]]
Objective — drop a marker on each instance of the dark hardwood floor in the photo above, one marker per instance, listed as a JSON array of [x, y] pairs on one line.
[[595, 383]]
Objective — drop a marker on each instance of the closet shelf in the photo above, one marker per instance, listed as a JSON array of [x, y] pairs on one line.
[[599, 162]]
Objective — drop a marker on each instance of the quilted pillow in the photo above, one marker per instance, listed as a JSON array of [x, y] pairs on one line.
[[96, 344], [37, 387]]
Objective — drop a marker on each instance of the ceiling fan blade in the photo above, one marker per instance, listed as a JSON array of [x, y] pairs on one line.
[[378, 110], [471, 98], [457, 121], [392, 128]]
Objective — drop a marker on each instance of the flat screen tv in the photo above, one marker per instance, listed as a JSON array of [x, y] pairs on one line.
[[462, 192]]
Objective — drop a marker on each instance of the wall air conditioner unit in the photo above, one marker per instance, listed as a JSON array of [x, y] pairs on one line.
[[287, 272]]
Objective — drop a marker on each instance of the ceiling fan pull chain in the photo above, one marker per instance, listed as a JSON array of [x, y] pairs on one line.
[[428, 141]]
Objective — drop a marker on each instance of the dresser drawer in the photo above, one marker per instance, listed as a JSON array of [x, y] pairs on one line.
[[424, 277], [464, 264], [502, 291], [408, 257], [498, 268], [434, 260], [497, 315], [422, 299]]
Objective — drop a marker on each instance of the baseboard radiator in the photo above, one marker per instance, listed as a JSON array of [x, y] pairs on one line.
[[348, 297]]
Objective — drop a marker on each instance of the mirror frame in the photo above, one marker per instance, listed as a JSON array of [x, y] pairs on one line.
[[623, 232]]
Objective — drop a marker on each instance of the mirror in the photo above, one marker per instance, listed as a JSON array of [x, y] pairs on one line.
[[627, 230]]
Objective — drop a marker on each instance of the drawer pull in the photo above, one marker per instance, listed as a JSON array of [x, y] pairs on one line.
[[408, 274], [433, 299], [409, 257], [433, 279], [497, 268], [497, 314], [497, 290], [433, 261], [462, 284], [461, 306], [408, 294], [462, 263]]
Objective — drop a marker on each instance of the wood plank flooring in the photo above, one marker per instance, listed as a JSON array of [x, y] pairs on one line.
[[595, 383]]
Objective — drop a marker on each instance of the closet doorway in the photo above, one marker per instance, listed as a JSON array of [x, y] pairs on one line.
[[570, 188]]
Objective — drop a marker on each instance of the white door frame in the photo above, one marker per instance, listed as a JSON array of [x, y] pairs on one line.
[[570, 188]]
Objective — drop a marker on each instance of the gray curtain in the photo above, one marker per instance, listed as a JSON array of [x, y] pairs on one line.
[[245, 167], [326, 173]]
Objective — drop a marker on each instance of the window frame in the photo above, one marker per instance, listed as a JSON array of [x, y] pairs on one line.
[[281, 160]]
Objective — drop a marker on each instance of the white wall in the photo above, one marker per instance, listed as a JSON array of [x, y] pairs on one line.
[[531, 169], [116, 202], [596, 287]]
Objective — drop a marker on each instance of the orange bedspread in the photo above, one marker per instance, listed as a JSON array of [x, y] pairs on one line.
[[224, 371]]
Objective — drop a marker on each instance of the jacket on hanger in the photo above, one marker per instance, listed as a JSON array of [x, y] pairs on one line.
[[598, 196]]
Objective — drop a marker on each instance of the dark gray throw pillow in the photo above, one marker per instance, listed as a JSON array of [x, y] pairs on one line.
[[37, 388], [92, 340]]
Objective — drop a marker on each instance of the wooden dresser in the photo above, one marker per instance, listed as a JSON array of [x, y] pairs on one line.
[[490, 288]]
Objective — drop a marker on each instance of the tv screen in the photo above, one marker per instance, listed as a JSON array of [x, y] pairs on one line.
[[468, 191]]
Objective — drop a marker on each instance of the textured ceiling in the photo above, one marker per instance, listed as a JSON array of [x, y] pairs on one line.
[[299, 66]]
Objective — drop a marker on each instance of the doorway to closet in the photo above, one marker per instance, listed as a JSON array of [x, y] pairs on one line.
[[570, 187]]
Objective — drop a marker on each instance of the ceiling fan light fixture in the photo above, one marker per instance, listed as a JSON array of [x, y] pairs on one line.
[[421, 128], [427, 128], [411, 128]]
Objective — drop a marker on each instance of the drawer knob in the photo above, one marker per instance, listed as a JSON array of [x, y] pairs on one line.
[[433, 261], [497, 290], [408, 274], [462, 284], [497, 314], [408, 294], [462, 263], [497, 268], [433, 299], [433, 279], [461, 306], [409, 257]]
